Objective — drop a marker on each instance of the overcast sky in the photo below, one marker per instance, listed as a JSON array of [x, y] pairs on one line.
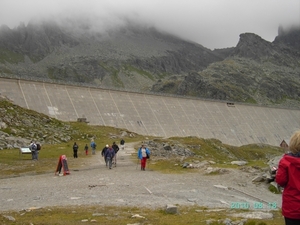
[[211, 23]]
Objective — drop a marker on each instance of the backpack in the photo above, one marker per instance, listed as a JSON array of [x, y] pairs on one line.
[[115, 147], [33, 147], [93, 145], [38, 147], [110, 152], [103, 151]]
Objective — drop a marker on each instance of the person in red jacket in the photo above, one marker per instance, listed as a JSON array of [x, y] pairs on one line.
[[288, 177]]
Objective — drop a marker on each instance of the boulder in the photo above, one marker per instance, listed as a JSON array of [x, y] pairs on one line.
[[171, 209], [239, 163]]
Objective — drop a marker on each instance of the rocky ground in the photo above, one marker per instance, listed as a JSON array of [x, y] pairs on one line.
[[127, 185]]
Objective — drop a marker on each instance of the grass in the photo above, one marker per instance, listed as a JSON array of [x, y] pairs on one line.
[[72, 215], [222, 154], [10, 56], [130, 68], [250, 100], [13, 164], [117, 82], [170, 166]]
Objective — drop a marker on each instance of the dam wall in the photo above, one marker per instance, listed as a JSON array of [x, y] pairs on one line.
[[154, 115]]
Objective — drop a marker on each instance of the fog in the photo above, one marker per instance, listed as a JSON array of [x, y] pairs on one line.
[[211, 23]]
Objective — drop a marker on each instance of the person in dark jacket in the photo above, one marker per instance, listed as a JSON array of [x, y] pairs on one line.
[[86, 149], [103, 153], [122, 143], [116, 148], [109, 155], [288, 177], [75, 150]]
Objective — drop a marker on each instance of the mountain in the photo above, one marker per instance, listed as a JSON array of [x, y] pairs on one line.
[[143, 59], [256, 71]]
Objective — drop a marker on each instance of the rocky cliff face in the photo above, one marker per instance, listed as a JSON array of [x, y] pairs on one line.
[[145, 59], [256, 71]]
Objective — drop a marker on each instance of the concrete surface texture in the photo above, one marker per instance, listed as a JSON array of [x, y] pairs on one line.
[[154, 115]]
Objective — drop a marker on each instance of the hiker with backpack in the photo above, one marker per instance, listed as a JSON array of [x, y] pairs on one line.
[[109, 155], [103, 153], [116, 149], [93, 146], [75, 150], [34, 151]]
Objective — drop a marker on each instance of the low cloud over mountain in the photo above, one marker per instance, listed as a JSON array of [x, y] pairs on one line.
[[142, 58]]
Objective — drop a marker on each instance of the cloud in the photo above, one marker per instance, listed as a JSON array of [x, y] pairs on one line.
[[212, 23]]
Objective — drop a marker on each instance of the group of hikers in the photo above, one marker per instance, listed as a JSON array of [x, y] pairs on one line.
[[86, 149], [109, 153]]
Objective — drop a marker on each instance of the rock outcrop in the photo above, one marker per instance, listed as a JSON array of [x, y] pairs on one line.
[[19, 126]]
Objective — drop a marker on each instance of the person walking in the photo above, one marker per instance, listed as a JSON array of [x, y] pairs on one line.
[[86, 149], [287, 176], [116, 149], [109, 155], [37, 147], [93, 146], [103, 153], [143, 155], [122, 143], [75, 150]]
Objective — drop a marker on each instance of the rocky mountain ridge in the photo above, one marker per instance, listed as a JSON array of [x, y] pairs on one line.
[[143, 59]]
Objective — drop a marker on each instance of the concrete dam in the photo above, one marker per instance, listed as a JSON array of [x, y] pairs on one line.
[[154, 115]]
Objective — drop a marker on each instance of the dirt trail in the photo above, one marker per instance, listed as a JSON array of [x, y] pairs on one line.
[[127, 185]]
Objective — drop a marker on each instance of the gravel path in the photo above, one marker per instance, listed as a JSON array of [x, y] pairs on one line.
[[127, 185]]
